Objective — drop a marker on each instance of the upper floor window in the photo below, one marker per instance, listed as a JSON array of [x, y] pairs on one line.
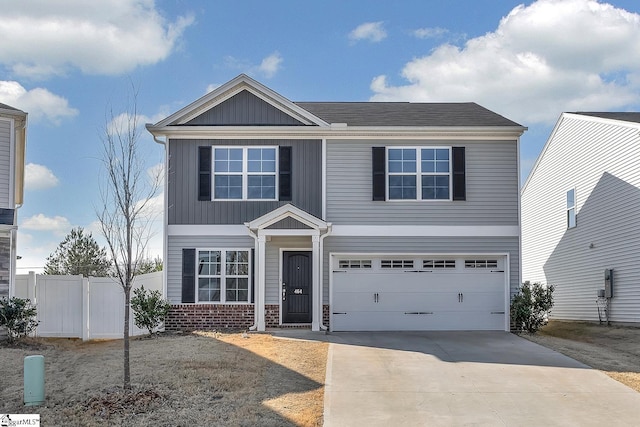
[[571, 208], [244, 173], [419, 173]]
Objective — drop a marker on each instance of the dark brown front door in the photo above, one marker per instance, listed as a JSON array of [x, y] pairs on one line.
[[296, 287]]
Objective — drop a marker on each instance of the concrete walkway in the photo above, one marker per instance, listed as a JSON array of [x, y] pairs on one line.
[[466, 379]]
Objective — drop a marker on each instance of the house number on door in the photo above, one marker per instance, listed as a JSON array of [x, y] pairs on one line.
[[297, 291]]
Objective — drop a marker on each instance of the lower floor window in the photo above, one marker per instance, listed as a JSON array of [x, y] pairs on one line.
[[223, 275]]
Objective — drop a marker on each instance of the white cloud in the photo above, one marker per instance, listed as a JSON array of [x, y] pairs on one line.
[[39, 177], [372, 31], [429, 33], [41, 38], [551, 56], [58, 225], [267, 68], [39, 102], [271, 65]]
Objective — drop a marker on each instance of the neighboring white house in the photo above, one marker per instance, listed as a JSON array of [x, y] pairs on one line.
[[13, 123], [581, 215]]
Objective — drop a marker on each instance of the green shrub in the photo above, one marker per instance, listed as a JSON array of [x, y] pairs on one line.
[[149, 309], [531, 306], [18, 316]]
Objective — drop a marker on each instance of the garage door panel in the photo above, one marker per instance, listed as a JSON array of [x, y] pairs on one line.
[[380, 299]]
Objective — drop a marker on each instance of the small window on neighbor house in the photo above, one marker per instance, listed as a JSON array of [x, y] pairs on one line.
[[396, 263], [571, 208]]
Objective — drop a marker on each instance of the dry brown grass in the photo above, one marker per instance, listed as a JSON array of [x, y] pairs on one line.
[[179, 380], [615, 350]]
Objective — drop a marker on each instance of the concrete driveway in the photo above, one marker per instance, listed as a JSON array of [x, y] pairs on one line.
[[466, 379]]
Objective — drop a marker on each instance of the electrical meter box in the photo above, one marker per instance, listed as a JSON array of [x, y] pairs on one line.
[[608, 283]]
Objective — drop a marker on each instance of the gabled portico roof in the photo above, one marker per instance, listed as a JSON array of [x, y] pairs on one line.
[[288, 211]]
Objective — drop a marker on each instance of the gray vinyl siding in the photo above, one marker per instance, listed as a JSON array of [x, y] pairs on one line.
[[5, 163], [5, 265], [600, 160], [174, 256], [182, 199], [432, 245], [289, 224], [272, 270], [244, 109], [491, 182]]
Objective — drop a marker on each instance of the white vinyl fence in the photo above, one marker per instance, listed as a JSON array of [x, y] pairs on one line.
[[78, 307]]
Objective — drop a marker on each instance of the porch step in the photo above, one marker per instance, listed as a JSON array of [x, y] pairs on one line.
[[293, 326]]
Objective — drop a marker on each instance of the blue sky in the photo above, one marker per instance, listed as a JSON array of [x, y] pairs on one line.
[[68, 62]]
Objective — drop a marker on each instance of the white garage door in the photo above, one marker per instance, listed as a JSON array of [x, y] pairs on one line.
[[418, 293]]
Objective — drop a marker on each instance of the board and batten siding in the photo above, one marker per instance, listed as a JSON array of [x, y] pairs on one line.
[[491, 186], [427, 245], [182, 199], [175, 244], [6, 130], [601, 161]]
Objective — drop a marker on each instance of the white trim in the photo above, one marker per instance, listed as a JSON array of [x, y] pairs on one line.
[[355, 230], [287, 211], [506, 134], [324, 179], [507, 272], [231, 88], [288, 232], [427, 230]]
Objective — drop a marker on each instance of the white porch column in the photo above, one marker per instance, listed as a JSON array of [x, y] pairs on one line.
[[260, 289], [316, 311]]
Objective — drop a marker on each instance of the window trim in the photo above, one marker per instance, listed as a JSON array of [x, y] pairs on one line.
[[418, 173], [571, 208], [223, 276], [245, 171]]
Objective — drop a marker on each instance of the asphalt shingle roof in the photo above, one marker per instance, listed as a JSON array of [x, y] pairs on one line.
[[626, 117], [406, 114]]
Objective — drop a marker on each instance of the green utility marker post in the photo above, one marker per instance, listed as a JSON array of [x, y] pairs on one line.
[[33, 380]]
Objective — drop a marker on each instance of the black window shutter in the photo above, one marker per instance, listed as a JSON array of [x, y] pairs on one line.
[[204, 173], [188, 275], [285, 181], [378, 155], [459, 178], [253, 275]]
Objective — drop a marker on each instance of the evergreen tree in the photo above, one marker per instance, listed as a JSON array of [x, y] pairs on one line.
[[78, 253]]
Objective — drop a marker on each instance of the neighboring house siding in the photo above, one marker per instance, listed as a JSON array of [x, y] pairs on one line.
[[174, 256], [244, 109], [602, 162], [5, 265], [183, 204], [5, 163], [491, 186], [431, 245]]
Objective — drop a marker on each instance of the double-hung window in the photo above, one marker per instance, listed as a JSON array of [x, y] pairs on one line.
[[223, 276], [419, 173], [571, 208], [245, 173]]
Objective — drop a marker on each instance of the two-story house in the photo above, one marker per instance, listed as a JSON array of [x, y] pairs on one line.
[[340, 215], [13, 124]]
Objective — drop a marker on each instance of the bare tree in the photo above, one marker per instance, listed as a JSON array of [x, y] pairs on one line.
[[127, 191]]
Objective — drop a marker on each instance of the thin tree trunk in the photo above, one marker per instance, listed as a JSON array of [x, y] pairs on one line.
[[127, 304]]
